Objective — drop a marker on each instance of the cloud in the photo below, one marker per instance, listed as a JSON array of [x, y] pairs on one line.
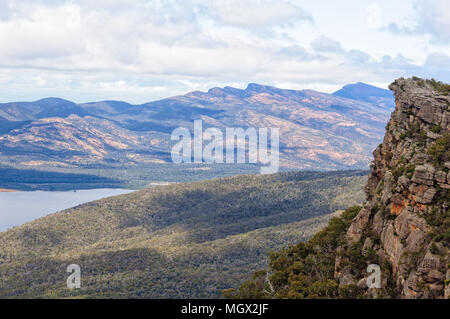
[[325, 44], [142, 50], [5, 10], [257, 13], [431, 17]]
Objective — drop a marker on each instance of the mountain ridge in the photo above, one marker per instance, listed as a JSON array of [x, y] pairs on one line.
[[255, 87], [318, 130]]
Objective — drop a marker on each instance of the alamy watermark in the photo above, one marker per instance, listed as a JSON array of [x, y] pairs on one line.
[[235, 145], [374, 280], [74, 280]]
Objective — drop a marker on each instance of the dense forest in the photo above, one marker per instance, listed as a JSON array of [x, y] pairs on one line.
[[53, 178], [306, 270], [189, 240], [29, 180]]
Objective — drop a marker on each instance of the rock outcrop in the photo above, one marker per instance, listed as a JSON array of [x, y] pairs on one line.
[[405, 224]]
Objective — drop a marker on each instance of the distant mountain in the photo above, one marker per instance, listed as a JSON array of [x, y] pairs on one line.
[[49, 107], [367, 93], [317, 130], [180, 241]]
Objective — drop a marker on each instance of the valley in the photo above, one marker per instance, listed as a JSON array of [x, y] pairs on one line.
[[187, 240]]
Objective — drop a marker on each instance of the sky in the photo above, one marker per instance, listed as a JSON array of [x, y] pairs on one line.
[[143, 50]]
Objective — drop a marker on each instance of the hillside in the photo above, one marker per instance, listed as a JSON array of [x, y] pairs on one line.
[[404, 227], [317, 130], [179, 241]]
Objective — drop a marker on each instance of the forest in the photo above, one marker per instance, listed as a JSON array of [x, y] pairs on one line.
[[186, 240]]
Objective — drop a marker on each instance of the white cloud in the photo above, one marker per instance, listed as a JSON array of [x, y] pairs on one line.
[[325, 44], [257, 13], [142, 50], [431, 17]]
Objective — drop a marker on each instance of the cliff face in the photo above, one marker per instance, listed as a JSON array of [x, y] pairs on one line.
[[405, 224]]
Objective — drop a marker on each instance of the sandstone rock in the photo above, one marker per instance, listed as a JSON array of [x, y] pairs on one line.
[[392, 246], [346, 280], [424, 174], [434, 276], [362, 283], [427, 197], [398, 233], [415, 240], [354, 232], [430, 262], [378, 223], [433, 136], [368, 244], [441, 176], [404, 181], [407, 222], [411, 289], [435, 290]]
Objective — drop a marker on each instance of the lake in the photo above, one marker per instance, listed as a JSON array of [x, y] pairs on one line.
[[17, 208]]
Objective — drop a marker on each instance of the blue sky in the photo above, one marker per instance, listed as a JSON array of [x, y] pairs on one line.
[[143, 50]]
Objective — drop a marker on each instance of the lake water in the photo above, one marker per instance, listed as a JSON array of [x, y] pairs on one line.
[[17, 208]]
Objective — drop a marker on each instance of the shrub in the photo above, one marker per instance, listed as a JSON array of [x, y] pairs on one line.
[[388, 156], [436, 129], [439, 86], [440, 150], [434, 249]]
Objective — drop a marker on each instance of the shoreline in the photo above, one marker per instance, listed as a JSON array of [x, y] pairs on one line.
[[4, 190]]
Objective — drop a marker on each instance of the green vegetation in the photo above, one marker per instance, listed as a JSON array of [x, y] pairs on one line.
[[402, 169], [114, 176], [307, 269], [436, 129], [388, 156], [440, 220], [29, 180], [439, 86], [440, 150], [419, 81], [179, 241]]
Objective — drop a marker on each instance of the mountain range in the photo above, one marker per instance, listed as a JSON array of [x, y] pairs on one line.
[[317, 130]]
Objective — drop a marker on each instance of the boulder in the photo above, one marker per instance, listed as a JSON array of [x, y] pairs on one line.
[[354, 232], [441, 176], [427, 197], [424, 174]]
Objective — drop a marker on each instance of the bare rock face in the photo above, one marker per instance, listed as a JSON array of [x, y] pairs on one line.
[[406, 219], [424, 174], [354, 232]]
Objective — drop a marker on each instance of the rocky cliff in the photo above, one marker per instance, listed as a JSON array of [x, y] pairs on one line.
[[405, 224]]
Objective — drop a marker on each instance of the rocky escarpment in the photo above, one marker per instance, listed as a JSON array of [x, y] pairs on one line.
[[405, 225]]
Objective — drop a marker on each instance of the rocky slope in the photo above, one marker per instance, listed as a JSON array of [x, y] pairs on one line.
[[404, 226]]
